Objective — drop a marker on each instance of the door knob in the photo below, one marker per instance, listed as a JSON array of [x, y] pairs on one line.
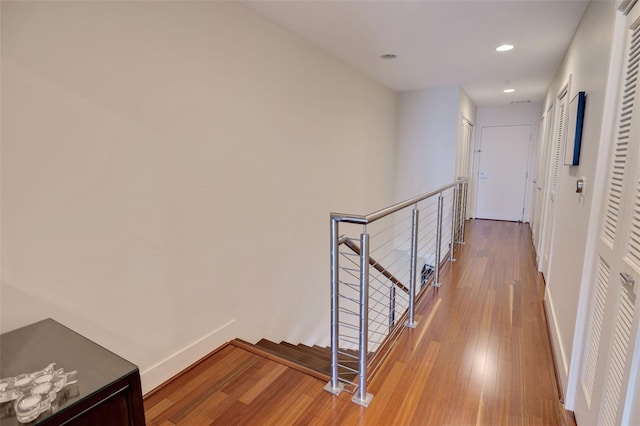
[[627, 279]]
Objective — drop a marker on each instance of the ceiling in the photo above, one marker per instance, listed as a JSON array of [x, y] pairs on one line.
[[440, 43]]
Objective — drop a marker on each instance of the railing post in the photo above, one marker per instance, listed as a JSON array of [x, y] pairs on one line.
[[465, 187], [436, 279], [454, 212], [362, 397], [413, 267], [334, 386], [392, 307]]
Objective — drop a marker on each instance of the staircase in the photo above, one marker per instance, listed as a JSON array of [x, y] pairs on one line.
[[373, 299]]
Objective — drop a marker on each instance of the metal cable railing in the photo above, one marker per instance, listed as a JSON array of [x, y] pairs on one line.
[[379, 267]]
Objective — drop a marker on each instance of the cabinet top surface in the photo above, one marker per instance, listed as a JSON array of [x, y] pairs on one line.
[[31, 348]]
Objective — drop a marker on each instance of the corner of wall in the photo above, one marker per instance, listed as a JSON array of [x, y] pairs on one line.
[[468, 109], [159, 373]]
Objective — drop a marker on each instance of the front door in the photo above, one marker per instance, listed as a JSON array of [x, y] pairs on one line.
[[502, 172]]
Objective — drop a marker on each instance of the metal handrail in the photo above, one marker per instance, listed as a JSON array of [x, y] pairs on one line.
[[378, 267], [379, 214], [455, 220]]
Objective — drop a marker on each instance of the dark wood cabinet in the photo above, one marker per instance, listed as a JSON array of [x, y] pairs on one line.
[[108, 390]]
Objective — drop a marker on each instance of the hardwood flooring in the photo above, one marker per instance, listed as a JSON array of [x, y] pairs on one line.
[[480, 355]]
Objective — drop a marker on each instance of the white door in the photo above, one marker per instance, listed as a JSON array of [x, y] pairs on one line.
[[465, 161], [605, 395], [541, 173], [535, 220], [502, 172], [553, 174]]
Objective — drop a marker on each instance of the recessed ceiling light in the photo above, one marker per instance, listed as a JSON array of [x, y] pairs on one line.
[[509, 90], [388, 56], [504, 48]]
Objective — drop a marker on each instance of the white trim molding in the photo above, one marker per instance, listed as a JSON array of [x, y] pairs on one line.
[[159, 373]]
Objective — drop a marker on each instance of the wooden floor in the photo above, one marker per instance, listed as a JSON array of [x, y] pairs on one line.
[[479, 356]]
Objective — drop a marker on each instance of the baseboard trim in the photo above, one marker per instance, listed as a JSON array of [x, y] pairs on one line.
[[568, 414], [183, 372], [176, 364], [556, 371]]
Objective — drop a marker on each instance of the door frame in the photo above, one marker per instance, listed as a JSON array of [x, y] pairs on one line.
[[546, 132]]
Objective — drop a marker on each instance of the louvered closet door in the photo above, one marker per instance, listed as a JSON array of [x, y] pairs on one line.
[[605, 393], [559, 135]]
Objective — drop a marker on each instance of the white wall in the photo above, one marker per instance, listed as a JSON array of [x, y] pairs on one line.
[[468, 109], [587, 62], [168, 169], [428, 133], [515, 115]]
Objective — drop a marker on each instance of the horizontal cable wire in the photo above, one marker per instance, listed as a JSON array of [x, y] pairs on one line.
[[347, 311], [344, 339], [348, 368], [389, 241], [395, 224], [356, 301], [347, 354], [350, 326], [344, 268]]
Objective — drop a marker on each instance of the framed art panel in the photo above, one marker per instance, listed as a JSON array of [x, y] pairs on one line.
[[574, 135]]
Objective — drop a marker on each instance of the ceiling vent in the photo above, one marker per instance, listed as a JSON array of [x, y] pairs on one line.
[[521, 102]]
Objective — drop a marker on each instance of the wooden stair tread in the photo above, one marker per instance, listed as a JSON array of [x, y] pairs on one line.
[[322, 353], [292, 354], [279, 358]]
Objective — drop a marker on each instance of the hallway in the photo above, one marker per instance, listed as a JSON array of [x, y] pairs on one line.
[[479, 355]]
